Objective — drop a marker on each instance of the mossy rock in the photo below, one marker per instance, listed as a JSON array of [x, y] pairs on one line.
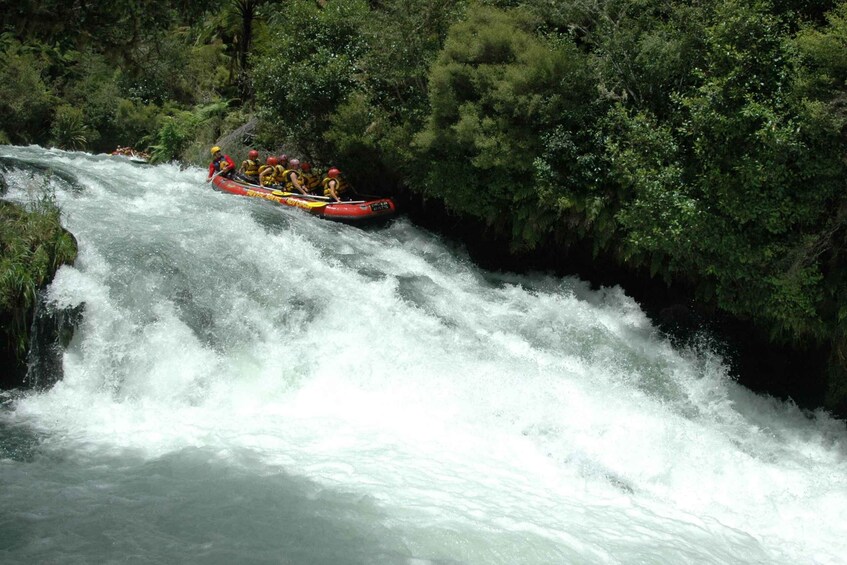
[[33, 245]]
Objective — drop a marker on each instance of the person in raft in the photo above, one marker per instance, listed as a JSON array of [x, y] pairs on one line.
[[221, 164], [281, 165], [249, 170], [333, 187], [310, 179], [268, 176], [292, 177]]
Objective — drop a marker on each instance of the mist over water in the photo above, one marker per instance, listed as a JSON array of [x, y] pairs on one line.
[[251, 384]]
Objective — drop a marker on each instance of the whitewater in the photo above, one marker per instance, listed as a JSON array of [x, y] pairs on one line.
[[252, 384]]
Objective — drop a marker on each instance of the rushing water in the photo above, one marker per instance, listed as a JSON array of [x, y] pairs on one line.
[[250, 384]]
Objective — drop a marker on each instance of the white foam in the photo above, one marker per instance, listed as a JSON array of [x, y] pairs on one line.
[[381, 363]]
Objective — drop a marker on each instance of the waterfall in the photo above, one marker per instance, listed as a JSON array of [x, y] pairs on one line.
[[249, 383]]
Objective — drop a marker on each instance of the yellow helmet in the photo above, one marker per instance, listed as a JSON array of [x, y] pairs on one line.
[[215, 149]]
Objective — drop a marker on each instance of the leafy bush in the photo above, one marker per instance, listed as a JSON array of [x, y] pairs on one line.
[[179, 130], [25, 99], [498, 95], [176, 70], [307, 69], [69, 130], [32, 247], [133, 122], [173, 136]]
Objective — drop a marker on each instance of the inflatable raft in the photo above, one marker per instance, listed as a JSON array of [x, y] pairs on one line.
[[359, 211]]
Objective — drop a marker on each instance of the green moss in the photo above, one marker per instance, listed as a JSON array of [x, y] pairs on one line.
[[33, 245]]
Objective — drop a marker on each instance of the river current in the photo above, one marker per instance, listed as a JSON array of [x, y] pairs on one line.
[[251, 384]]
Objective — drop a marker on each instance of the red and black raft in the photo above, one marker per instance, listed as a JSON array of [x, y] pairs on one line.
[[359, 211]]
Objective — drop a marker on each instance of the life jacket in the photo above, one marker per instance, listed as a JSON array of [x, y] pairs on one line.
[[279, 174], [269, 179], [286, 175], [251, 168], [224, 162], [339, 187], [310, 181]]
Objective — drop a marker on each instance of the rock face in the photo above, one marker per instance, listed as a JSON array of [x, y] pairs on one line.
[[50, 333], [13, 371]]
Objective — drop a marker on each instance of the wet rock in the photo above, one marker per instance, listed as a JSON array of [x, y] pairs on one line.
[[51, 332]]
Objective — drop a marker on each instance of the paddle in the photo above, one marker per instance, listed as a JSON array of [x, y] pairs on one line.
[[310, 204], [326, 199], [315, 196], [211, 178], [366, 197], [304, 203], [241, 179]]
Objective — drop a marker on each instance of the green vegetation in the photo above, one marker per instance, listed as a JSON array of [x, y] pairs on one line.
[[516, 107], [702, 143], [33, 245]]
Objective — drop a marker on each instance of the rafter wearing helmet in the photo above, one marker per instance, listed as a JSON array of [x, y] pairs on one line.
[[268, 175], [250, 167], [332, 185], [310, 179], [221, 164]]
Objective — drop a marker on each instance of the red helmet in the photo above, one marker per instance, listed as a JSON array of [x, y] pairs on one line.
[[294, 163], [333, 172], [253, 154], [306, 166], [271, 161]]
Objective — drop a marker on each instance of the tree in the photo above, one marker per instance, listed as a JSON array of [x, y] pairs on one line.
[[740, 190], [25, 99], [247, 10], [504, 104], [306, 69], [821, 91]]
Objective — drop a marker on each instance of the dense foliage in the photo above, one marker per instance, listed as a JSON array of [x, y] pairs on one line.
[[87, 75], [702, 143]]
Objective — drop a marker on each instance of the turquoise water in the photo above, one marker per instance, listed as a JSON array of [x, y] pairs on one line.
[[250, 384]]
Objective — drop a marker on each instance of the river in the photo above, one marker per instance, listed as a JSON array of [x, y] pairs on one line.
[[251, 384]]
